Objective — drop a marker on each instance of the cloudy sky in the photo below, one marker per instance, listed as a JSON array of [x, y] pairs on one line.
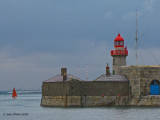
[[38, 37]]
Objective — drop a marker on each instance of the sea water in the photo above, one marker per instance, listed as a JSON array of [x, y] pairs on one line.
[[27, 107]]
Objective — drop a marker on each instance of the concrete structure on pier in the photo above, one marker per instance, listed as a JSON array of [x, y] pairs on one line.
[[127, 85]]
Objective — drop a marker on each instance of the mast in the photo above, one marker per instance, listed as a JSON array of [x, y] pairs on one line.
[[86, 72], [136, 40]]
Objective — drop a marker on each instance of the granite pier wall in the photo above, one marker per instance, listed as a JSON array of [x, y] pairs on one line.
[[83, 101]]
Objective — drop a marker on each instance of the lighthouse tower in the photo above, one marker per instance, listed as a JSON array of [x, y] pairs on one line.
[[119, 54]]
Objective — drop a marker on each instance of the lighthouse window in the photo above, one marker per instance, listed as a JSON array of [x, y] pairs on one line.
[[113, 61], [121, 43], [116, 43]]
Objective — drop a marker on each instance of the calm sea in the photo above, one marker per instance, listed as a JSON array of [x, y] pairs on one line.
[[27, 107]]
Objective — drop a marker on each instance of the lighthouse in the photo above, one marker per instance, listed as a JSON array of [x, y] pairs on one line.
[[119, 54]]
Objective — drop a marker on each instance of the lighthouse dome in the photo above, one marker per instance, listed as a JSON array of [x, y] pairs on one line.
[[119, 38]]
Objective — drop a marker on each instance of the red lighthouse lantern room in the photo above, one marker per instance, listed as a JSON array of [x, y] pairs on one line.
[[119, 47]]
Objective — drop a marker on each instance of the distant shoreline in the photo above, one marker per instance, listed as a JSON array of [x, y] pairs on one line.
[[21, 92]]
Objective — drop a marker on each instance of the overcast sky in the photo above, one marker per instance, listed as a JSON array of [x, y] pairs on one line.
[[38, 37]]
